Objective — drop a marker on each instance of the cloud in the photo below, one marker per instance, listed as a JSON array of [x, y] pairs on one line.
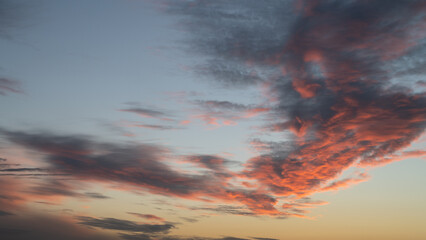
[[9, 86], [226, 209], [226, 113], [140, 165], [137, 164], [147, 216], [190, 220], [156, 237], [257, 238], [4, 213], [336, 70], [214, 163], [153, 126], [47, 227], [11, 17], [124, 225], [148, 112], [22, 170], [95, 195]]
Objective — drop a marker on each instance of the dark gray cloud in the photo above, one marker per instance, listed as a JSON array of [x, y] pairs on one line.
[[22, 170], [257, 238], [54, 187], [155, 126], [141, 165], [213, 105], [124, 225], [215, 163], [149, 112], [190, 220], [233, 35], [47, 228], [4, 213], [12, 15], [156, 237], [95, 195], [137, 164]]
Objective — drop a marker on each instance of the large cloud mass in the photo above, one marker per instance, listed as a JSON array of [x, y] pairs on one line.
[[343, 75]]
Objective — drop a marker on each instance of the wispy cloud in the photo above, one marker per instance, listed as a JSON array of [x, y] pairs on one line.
[[147, 112], [123, 225], [148, 216], [225, 112], [9, 86]]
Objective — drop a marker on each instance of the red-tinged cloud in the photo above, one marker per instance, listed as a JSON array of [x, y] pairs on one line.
[[345, 183], [148, 216], [343, 76], [394, 158], [218, 113]]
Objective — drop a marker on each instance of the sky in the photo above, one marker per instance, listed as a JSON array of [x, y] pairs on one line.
[[212, 119]]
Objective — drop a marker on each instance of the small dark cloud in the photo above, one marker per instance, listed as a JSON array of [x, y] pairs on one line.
[[167, 237], [54, 187], [6, 165], [148, 112], [95, 195], [190, 220], [155, 126], [22, 170], [221, 105], [4, 213], [124, 225], [214, 163], [232, 238], [260, 238], [12, 232]]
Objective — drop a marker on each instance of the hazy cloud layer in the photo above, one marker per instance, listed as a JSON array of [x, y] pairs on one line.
[[334, 72]]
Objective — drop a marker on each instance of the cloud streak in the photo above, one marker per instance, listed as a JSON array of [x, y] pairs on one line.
[[9, 86]]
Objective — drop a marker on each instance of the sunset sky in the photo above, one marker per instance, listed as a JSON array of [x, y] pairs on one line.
[[212, 119]]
